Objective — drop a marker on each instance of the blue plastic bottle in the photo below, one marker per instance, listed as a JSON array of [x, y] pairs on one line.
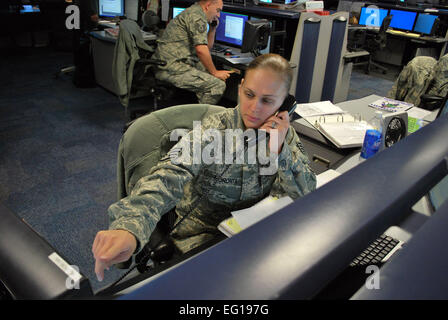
[[373, 137]]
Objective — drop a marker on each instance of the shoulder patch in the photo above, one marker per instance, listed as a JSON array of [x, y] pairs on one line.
[[201, 27]]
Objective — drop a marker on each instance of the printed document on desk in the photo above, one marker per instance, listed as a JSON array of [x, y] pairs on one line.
[[317, 109], [242, 219]]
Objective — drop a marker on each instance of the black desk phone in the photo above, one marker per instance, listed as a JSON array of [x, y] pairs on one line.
[[289, 104]]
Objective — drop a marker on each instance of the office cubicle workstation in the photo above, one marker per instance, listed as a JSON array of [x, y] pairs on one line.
[[282, 21], [414, 30], [314, 44]]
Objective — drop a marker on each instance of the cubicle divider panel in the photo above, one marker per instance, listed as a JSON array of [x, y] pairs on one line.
[[317, 52], [333, 69], [304, 55]]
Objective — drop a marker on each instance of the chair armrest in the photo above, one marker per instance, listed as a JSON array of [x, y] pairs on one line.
[[430, 102], [152, 61]]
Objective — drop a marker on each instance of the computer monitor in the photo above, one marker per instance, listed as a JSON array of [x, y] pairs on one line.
[[31, 268], [131, 9], [111, 8], [231, 28], [267, 49], [256, 36], [176, 11], [424, 23], [403, 20], [372, 17]]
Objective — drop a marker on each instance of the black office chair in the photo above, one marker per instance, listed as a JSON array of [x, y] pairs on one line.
[[140, 80], [143, 144], [377, 43]]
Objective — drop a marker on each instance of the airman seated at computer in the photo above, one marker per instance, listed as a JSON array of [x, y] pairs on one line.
[[185, 45]]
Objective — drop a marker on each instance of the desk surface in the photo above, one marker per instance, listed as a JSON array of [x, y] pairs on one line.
[[103, 35], [358, 106], [249, 8], [402, 34]]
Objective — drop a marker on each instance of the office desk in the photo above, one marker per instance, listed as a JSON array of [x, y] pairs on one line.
[[322, 153], [410, 47]]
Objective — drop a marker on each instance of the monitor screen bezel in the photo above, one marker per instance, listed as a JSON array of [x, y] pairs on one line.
[[218, 39], [402, 29], [416, 20], [109, 14], [381, 9], [172, 11]]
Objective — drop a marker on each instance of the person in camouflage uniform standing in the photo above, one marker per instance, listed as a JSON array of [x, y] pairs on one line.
[[185, 46], [205, 194], [421, 75]]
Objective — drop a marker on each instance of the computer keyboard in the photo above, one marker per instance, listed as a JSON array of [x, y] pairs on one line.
[[378, 252], [354, 276], [219, 48], [406, 34]]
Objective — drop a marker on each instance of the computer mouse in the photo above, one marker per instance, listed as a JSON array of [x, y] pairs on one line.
[[228, 52]]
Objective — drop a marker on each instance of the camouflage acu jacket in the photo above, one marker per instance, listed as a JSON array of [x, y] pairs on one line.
[[205, 194]]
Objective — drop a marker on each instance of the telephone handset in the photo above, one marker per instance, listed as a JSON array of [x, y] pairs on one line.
[[214, 23], [289, 104]]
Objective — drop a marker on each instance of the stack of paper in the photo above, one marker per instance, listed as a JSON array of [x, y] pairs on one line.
[[391, 105], [243, 219], [317, 109]]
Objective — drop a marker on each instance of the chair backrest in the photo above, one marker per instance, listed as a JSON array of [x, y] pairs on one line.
[[385, 24], [147, 140], [380, 40], [127, 52]]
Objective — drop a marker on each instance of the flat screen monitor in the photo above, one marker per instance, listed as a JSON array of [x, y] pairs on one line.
[[111, 8], [424, 23], [372, 17], [231, 28], [31, 268], [403, 20], [176, 11]]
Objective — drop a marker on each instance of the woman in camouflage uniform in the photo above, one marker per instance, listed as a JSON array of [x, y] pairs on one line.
[[205, 194]]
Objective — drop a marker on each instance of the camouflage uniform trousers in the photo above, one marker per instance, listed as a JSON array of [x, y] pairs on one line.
[[208, 88]]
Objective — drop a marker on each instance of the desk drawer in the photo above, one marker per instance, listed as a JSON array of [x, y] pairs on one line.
[[324, 157]]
